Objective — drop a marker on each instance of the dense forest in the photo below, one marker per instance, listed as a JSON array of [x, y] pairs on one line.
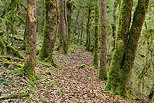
[[76, 51]]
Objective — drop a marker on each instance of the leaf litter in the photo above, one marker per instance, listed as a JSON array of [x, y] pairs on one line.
[[75, 81]]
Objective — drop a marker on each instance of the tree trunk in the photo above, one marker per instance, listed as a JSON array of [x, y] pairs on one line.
[[134, 34], [126, 44], [95, 61], [30, 62], [50, 29], [88, 30], [63, 47], [124, 19], [103, 44], [69, 13], [114, 22]]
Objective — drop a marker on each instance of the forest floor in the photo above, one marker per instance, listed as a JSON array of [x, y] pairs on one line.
[[75, 81]]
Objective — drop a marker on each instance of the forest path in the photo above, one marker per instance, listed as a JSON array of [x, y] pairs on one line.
[[76, 81]]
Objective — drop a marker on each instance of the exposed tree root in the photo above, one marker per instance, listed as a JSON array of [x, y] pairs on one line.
[[11, 50]]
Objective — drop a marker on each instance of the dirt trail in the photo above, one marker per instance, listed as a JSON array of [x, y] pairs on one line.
[[75, 81]]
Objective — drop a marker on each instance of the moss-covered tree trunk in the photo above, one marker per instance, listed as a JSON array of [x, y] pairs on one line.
[[116, 2], [69, 6], [63, 40], [103, 44], [114, 83], [50, 29], [30, 62], [95, 60], [134, 34], [126, 44], [88, 30]]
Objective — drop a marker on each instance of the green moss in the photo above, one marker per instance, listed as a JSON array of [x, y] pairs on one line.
[[82, 66], [65, 46], [102, 73], [49, 59], [14, 51], [46, 64], [43, 52], [3, 47], [29, 68], [95, 60], [116, 77], [7, 64], [20, 65], [19, 71]]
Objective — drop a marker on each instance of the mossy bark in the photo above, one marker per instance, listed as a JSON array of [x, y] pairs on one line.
[[69, 6], [103, 44], [50, 29], [30, 63], [114, 22], [126, 44], [114, 78], [2, 46], [95, 60], [63, 39], [88, 30], [134, 34]]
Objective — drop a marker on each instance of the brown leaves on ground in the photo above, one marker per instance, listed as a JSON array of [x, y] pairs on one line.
[[70, 83]]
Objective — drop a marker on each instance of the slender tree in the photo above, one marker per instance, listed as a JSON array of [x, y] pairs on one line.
[[102, 71], [116, 3], [50, 30], [88, 41], [70, 6], [63, 39], [30, 62], [95, 61], [126, 44]]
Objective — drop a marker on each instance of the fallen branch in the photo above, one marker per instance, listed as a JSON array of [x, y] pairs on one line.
[[15, 96], [14, 51], [15, 38], [11, 58]]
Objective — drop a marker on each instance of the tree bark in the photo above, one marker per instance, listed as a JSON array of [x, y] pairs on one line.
[[50, 29], [113, 82], [95, 60], [114, 22], [69, 13], [103, 44], [88, 30], [30, 62], [124, 53], [134, 34], [63, 47]]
